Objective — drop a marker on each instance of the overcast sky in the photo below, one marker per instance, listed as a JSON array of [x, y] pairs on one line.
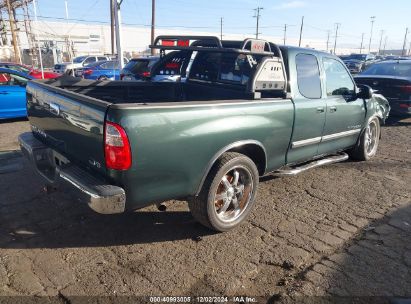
[[204, 15]]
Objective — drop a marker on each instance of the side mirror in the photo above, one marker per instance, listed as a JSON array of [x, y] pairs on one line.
[[364, 92]]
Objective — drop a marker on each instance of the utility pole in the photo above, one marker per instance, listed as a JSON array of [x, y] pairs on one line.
[[337, 26], [328, 39], [37, 39], [17, 57], [257, 15], [385, 44], [362, 42], [372, 28], [379, 47], [301, 30], [221, 28], [112, 19], [285, 33], [69, 48], [153, 23], [117, 15], [405, 42]]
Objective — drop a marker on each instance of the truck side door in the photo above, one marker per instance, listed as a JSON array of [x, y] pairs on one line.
[[344, 117], [309, 108]]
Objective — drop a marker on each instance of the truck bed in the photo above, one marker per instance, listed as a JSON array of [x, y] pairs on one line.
[[115, 92]]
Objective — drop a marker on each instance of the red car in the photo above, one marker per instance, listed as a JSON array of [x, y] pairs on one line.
[[28, 70]]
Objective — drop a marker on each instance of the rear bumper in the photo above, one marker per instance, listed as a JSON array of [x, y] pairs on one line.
[[399, 107], [100, 196]]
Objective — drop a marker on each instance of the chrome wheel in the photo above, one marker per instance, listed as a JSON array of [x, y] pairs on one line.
[[371, 138], [233, 194]]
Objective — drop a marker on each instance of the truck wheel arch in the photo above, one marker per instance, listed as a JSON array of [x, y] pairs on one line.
[[250, 148]]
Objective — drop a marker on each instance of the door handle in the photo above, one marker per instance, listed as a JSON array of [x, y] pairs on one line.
[[333, 109], [4, 93], [320, 110]]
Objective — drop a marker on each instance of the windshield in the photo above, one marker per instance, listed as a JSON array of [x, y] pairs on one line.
[[389, 69], [357, 57], [79, 59]]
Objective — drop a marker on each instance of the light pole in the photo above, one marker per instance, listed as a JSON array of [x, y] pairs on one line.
[[362, 42], [117, 15], [257, 15], [372, 28], [337, 26], [37, 39], [379, 48]]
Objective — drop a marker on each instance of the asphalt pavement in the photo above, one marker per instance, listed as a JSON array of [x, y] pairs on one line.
[[342, 229]]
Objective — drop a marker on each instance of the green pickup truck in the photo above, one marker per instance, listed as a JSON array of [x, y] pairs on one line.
[[240, 110]]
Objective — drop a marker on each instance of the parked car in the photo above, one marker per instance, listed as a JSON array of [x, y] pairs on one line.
[[357, 63], [138, 68], [78, 62], [102, 70], [393, 80], [13, 93], [355, 66], [242, 112], [28, 70]]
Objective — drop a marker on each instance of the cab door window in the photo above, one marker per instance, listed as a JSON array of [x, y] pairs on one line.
[[308, 76], [338, 80]]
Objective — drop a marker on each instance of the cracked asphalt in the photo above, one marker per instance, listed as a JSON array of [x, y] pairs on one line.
[[342, 229]]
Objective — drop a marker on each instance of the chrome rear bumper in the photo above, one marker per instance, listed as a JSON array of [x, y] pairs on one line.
[[100, 196]]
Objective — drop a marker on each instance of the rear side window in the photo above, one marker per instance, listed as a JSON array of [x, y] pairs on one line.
[[110, 65], [139, 66], [173, 64], [235, 68], [101, 58], [229, 68], [89, 60], [206, 66], [308, 76], [338, 79]]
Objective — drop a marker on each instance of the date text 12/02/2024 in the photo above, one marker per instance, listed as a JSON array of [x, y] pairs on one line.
[[205, 299]]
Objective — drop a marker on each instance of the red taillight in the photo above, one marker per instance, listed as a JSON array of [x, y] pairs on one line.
[[145, 74], [116, 147], [87, 72], [405, 88], [121, 76], [172, 65]]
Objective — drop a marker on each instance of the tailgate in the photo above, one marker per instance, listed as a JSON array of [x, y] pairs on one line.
[[70, 123]]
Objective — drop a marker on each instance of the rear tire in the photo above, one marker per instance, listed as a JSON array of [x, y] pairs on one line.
[[367, 146], [102, 78], [228, 193]]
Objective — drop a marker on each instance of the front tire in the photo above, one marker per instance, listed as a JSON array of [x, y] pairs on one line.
[[228, 193], [368, 143]]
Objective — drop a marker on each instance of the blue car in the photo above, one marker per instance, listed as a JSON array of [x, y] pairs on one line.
[[102, 70], [13, 93]]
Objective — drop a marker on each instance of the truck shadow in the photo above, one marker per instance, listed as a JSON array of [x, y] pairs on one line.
[[93, 230]]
